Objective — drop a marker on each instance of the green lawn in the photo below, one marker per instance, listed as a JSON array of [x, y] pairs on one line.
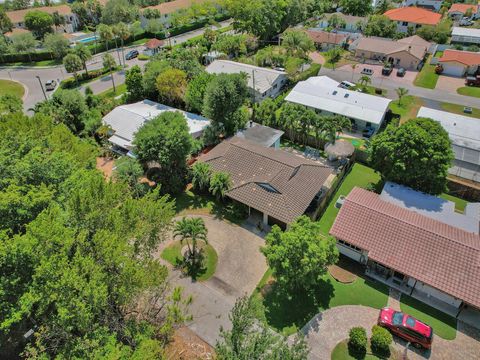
[[173, 255], [427, 78], [357, 143], [370, 90], [407, 108], [11, 88], [120, 90], [360, 176], [35, 63], [443, 325], [459, 203], [438, 54], [469, 91], [458, 109], [288, 312]]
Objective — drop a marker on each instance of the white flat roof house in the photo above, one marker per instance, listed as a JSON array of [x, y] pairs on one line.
[[266, 82], [322, 93], [466, 35], [125, 120], [464, 133]]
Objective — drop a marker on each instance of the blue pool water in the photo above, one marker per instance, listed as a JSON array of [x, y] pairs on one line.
[[88, 39]]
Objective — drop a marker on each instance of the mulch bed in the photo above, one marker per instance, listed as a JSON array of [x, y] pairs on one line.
[[345, 270], [186, 345]]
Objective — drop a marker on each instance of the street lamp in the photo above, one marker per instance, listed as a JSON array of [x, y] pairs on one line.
[[40, 82]]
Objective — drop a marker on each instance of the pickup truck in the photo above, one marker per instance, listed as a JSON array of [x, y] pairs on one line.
[[473, 80]]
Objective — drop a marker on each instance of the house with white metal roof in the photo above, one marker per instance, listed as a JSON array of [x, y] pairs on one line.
[[464, 133], [466, 35], [323, 94], [265, 82], [125, 120]]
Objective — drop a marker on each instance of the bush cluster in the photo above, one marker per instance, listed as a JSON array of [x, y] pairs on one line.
[[381, 340], [357, 341]]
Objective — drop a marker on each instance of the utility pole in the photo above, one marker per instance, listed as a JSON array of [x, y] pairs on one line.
[[40, 82]]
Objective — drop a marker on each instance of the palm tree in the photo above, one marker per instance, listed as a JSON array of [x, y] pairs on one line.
[[353, 69], [123, 32], [334, 55], [297, 42], [106, 34], [333, 124], [84, 54], [220, 183], [108, 64], [201, 173], [401, 92], [191, 230], [364, 80]]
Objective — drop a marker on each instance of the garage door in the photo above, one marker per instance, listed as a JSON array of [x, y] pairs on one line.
[[453, 70]]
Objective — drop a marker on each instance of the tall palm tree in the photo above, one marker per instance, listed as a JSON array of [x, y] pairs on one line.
[[333, 124], [220, 183], [123, 32], [364, 80], [191, 230], [106, 34], [108, 64], [297, 42], [84, 54]]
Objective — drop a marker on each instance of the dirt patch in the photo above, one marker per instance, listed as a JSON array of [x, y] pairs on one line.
[[345, 271], [186, 345], [105, 165], [267, 287]]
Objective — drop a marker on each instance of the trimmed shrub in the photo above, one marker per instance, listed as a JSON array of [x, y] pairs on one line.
[[380, 341], [357, 341]]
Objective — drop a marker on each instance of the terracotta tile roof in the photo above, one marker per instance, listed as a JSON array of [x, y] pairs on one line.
[[415, 45], [414, 15], [324, 37], [17, 31], [172, 6], [463, 57], [154, 43], [462, 8], [270, 180], [19, 15], [440, 255]]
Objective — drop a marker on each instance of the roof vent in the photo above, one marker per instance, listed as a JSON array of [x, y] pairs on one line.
[[346, 95], [335, 92]]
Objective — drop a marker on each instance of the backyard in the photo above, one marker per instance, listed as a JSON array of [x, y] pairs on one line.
[[427, 78]]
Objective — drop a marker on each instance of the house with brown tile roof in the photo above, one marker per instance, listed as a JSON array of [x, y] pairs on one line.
[[412, 17], [278, 184], [460, 63], [457, 11], [407, 52], [325, 40], [411, 251]]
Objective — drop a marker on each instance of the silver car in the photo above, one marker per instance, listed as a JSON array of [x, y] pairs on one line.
[[50, 85]]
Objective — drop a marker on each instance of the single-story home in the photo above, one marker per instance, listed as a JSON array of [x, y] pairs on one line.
[[400, 245], [413, 18], [460, 63], [464, 132], [434, 5], [458, 11], [468, 36], [17, 17], [166, 9], [322, 94], [264, 82], [275, 183], [325, 40], [350, 23], [125, 120], [262, 135], [407, 53], [153, 46]]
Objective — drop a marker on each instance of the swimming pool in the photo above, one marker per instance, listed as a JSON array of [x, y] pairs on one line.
[[88, 39]]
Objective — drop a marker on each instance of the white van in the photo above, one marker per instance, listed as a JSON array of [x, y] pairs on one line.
[[346, 85]]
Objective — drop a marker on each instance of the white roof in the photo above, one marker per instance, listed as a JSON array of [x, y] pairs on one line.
[[463, 31], [264, 78], [323, 93], [125, 120], [432, 206], [463, 130]]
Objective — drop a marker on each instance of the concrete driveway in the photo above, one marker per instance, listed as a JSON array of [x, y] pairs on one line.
[[240, 267], [377, 74], [449, 83]]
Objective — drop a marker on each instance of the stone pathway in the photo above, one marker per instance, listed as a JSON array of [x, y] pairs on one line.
[[394, 299]]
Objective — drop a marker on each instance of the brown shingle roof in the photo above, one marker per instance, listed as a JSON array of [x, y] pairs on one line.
[[153, 43], [270, 180], [414, 45], [324, 37], [19, 15], [430, 251]]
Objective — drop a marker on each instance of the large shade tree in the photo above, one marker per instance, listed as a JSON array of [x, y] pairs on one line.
[[417, 154]]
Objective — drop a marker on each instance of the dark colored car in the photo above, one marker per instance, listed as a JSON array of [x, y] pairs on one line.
[[387, 70], [131, 55], [406, 327], [401, 72]]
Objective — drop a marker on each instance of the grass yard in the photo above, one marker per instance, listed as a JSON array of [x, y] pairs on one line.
[[371, 90], [443, 325], [459, 203], [173, 255], [458, 109], [288, 313], [360, 176], [343, 61], [469, 91], [438, 54], [120, 90], [34, 63], [340, 352], [427, 78], [407, 109], [357, 143], [8, 87]]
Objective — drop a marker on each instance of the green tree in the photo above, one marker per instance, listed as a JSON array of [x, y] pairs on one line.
[[10, 104], [109, 64], [220, 183], [382, 6], [336, 22], [56, 44], [128, 170], [380, 25], [5, 22], [297, 42], [57, 20], [151, 71], [105, 33], [73, 64], [298, 120], [195, 92], [300, 255], [39, 23], [224, 97], [84, 54], [356, 7], [417, 154], [116, 11], [122, 32], [266, 112], [401, 92], [190, 231], [24, 43], [364, 80], [332, 124], [134, 83], [334, 55], [201, 174], [171, 85], [250, 339], [166, 140]]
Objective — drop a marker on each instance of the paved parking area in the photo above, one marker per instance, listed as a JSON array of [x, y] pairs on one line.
[[377, 74], [449, 83]]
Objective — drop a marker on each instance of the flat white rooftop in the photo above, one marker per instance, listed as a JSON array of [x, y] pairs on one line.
[[125, 120], [323, 93], [432, 206], [462, 31]]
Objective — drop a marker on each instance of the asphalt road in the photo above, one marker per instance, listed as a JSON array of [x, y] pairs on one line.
[[31, 78]]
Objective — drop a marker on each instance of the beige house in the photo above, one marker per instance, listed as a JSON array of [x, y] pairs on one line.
[[407, 53]]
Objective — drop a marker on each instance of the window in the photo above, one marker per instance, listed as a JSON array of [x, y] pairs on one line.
[[417, 26], [346, 244], [275, 86], [405, 23], [411, 322], [397, 318]]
